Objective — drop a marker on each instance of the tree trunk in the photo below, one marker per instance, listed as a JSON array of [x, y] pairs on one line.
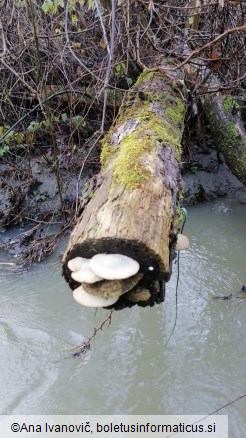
[[223, 114], [132, 212]]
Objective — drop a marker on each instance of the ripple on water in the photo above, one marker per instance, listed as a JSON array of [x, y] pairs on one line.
[[45, 361]]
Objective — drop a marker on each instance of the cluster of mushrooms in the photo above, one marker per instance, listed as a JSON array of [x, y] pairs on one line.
[[105, 277]]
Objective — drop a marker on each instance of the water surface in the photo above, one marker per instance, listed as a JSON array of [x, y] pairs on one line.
[[128, 370]]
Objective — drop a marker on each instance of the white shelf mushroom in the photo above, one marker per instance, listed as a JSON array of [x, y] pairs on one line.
[[85, 274], [76, 263], [113, 266], [88, 300], [182, 242]]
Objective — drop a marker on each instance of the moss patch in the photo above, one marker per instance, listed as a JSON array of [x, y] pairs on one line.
[[229, 104], [155, 126], [146, 77], [229, 142], [127, 168], [107, 150], [178, 219], [232, 130], [126, 165], [176, 112]]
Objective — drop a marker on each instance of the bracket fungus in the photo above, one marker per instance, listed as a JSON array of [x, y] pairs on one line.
[[117, 280], [112, 288], [138, 294], [119, 275], [88, 300], [76, 263], [113, 266], [85, 274], [182, 242]]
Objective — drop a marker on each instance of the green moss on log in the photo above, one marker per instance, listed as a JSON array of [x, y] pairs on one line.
[[176, 112], [228, 140], [146, 77], [127, 168], [229, 104], [159, 117]]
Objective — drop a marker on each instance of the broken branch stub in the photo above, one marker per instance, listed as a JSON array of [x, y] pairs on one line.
[[132, 211]]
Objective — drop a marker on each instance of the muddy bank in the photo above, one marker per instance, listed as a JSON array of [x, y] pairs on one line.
[[30, 200], [29, 190], [208, 177]]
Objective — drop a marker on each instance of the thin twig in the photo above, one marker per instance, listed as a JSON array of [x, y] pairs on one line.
[[3, 41], [85, 346], [82, 168], [34, 92], [111, 54], [210, 43]]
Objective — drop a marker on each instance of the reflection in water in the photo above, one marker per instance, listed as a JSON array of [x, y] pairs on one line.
[[128, 370]]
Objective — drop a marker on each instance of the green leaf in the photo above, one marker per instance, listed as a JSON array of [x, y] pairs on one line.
[[8, 137], [129, 81], [19, 137], [46, 123], [4, 150], [43, 197], [33, 127], [91, 4], [78, 120], [120, 70], [74, 18], [59, 3], [64, 117], [54, 9], [47, 5]]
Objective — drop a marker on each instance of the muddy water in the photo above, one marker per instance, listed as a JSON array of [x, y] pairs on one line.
[[128, 370]]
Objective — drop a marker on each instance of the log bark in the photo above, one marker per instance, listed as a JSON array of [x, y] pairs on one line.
[[133, 209], [224, 116]]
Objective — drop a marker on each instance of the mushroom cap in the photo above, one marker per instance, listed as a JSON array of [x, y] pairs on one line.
[[113, 266], [182, 242], [138, 294], [85, 274], [85, 299], [112, 288], [76, 263]]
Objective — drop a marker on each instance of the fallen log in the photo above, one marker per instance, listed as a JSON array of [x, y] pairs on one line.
[[134, 210], [224, 116]]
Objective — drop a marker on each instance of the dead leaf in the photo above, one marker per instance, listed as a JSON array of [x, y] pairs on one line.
[[102, 43]]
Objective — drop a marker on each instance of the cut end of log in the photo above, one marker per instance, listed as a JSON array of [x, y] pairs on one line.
[[151, 270], [150, 263]]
